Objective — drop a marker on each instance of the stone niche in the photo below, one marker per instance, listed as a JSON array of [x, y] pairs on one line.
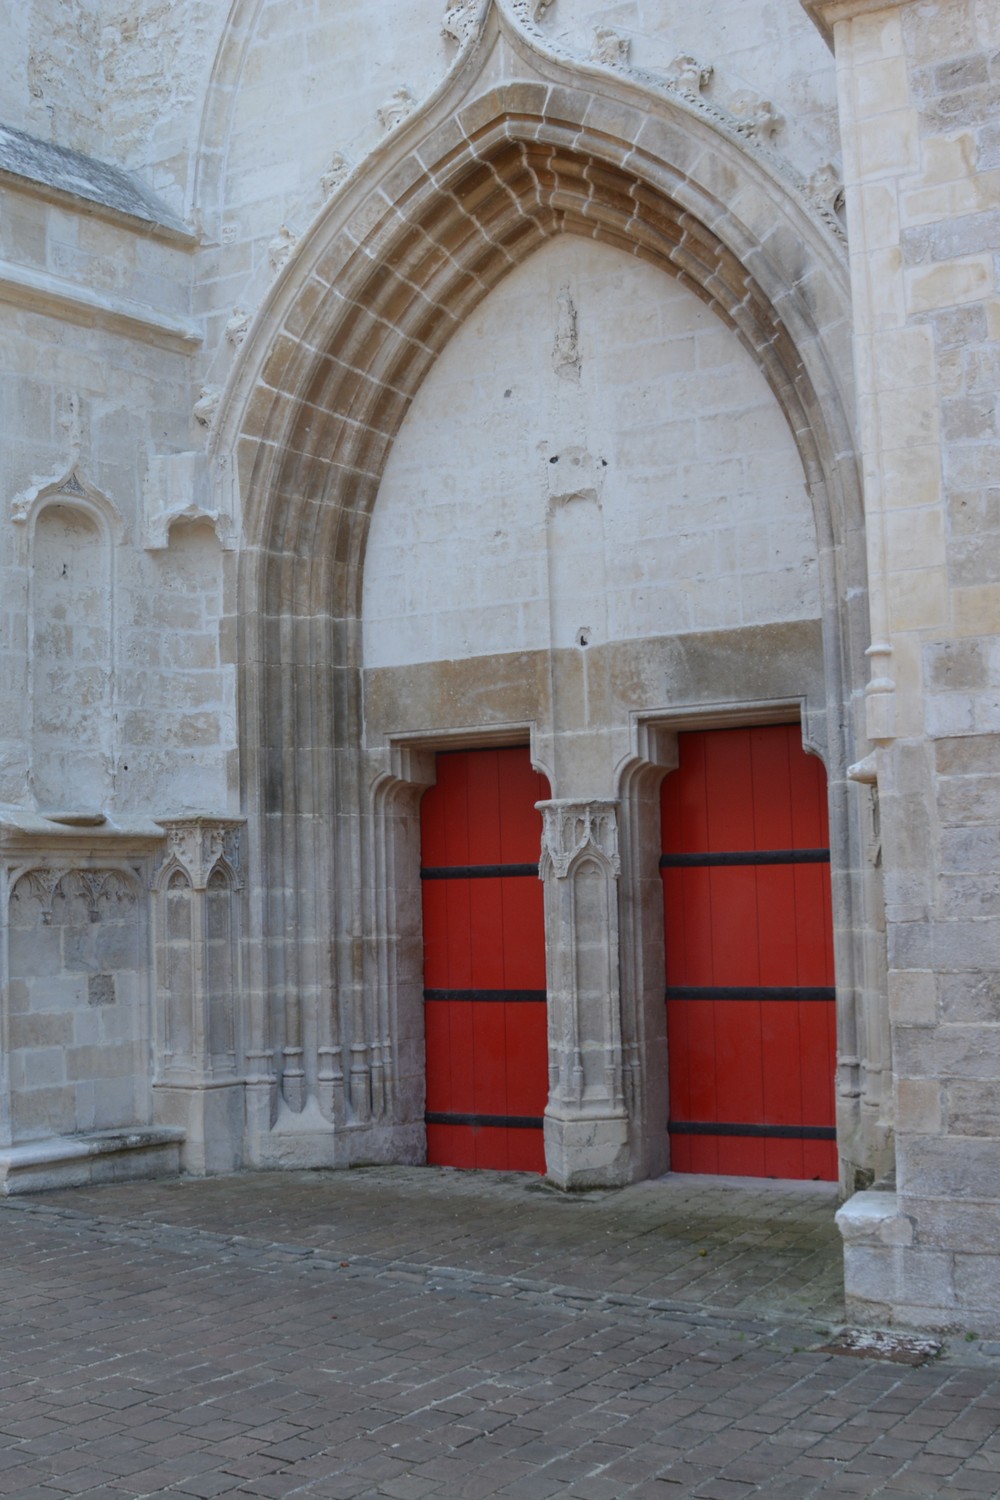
[[71, 655], [76, 1102], [79, 1010]]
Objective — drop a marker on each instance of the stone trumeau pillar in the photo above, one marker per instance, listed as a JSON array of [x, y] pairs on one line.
[[586, 1126], [199, 1072], [918, 104]]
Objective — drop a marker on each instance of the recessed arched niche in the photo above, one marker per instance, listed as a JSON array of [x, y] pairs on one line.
[[71, 669]]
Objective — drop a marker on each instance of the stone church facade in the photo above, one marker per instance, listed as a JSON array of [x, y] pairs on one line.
[[554, 379]]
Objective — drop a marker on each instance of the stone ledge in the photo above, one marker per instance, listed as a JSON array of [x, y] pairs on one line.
[[826, 13], [82, 181], [873, 1219], [91, 1157]]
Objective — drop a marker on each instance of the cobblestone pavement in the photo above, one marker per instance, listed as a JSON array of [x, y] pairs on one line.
[[414, 1332]]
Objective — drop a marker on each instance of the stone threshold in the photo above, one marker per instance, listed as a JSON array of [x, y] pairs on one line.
[[94, 1156]]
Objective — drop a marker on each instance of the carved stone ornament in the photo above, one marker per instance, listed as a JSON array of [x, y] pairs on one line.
[[757, 119], [74, 487], [338, 170], [690, 74], [99, 889], [571, 829], [237, 327], [396, 109], [541, 6], [826, 187], [460, 21], [610, 47], [197, 845], [207, 405], [281, 247]]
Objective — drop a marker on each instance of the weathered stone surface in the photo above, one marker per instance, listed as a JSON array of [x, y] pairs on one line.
[[518, 388]]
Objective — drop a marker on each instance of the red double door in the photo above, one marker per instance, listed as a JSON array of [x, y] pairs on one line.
[[750, 998], [484, 961]]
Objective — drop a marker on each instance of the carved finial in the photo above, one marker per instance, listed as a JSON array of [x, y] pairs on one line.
[[826, 187], [460, 21], [207, 405], [690, 74], [566, 349], [237, 327], [757, 118], [281, 247], [397, 108], [338, 169], [610, 47]]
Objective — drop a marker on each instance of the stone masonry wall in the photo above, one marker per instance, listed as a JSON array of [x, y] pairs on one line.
[[587, 374], [918, 102]]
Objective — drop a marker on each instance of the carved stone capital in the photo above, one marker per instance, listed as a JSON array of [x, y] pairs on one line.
[[199, 845], [826, 13], [571, 830]]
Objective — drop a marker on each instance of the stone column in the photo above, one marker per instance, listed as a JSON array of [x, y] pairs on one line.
[[199, 1082], [586, 1125]]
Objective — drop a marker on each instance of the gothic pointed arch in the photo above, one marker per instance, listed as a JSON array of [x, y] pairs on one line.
[[463, 193]]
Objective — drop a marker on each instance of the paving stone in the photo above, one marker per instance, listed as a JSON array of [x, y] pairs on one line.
[[326, 1386]]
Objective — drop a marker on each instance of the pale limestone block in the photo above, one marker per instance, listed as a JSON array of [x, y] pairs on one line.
[[882, 271], [950, 1167], [973, 1108], [905, 357], [876, 36], [890, 144], [987, 23], [907, 671], [908, 416], [976, 1280], [881, 87], [913, 997], [918, 1106], [950, 200], [976, 609], [954, 282], [915, 538], [918, 600], [871, 1273], [950, 714]]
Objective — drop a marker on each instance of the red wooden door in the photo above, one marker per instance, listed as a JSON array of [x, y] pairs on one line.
[[750, 1000], [484, 961]]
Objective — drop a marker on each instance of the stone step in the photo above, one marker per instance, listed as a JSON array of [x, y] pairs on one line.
[[93, 1156]]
